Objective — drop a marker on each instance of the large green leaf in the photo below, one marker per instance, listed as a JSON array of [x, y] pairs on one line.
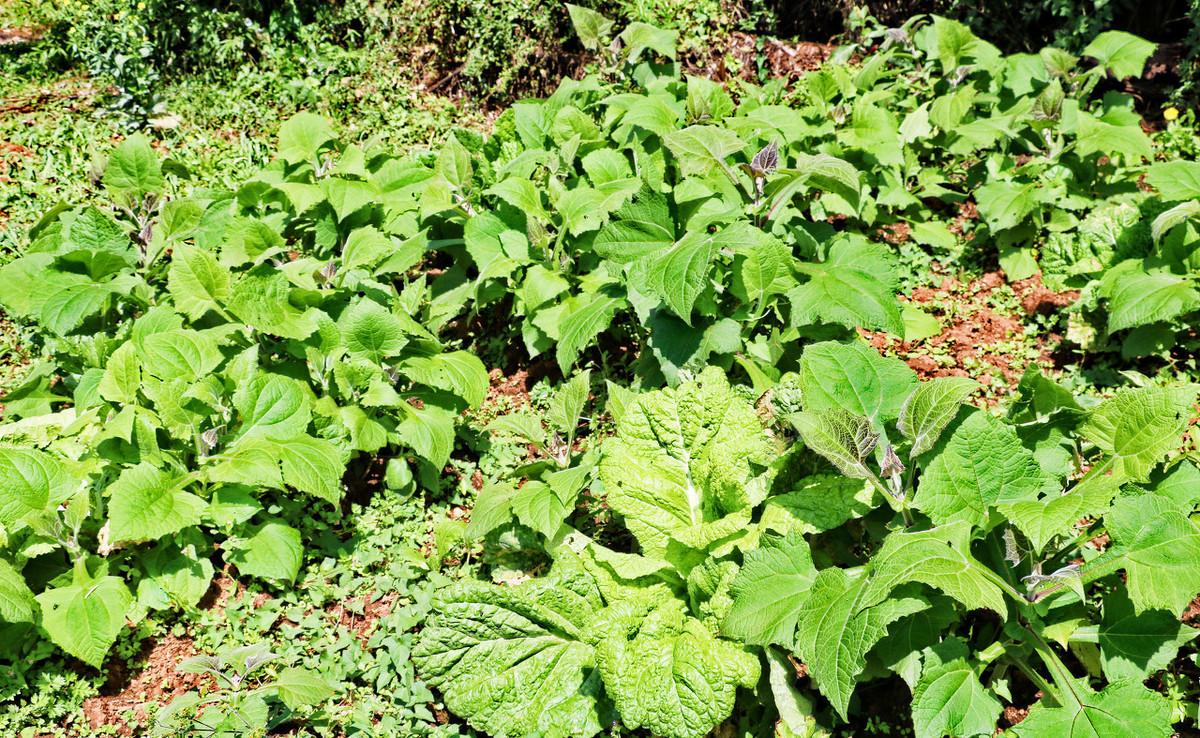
[[854, 287], [371, 331], [770, 591], [146, 503], [302, 136], [273, 406], [271, 551], [940, 558], [1005, 204], [677, 275], [1136, 297], [853, 377], [1134, 645], [31, 481], [133, 170], [664, 669], [16, 600], [1119, 52], [838, 626], [518, 660], [84, 618], [981, 464], [703, 149], [948, 698], [930, 408], [1137, 427], [459, 372], [845, 440], [683, 458], [197, 281], [1123, 708], [1158, 546]]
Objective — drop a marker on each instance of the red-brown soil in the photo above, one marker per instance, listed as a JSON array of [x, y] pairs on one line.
[[975, 331]]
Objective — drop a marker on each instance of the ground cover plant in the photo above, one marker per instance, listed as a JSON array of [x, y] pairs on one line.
[[577, 422]]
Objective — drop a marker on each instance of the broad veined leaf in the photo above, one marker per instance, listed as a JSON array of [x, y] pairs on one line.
[[677, 275], [312, 465], [299, 687], [1119, 52], [940, 558], [585, 320], [303, 136], [981, 464], [822, 171], [133, 170], [181, 575], [1133, 645], [703, 149], [818, 503], [31, 481], [1176, 216], [459, 372], [1107, 138], [1136, 297], [639, 228], [370, 331], [838, 626], [1158, 546], [197, 281], [271, 551], [770, 591], [17, 604], [146, 503], [122, 375], [845, 440], [1124, 708], [1005, 204], [85, 617], [1055, 515], [948, 698], [665, 671], [66, 309], [273, 406], [263, 302], [592, 28], [1138, 427], [639, 36], [1176, 179], [853, 377], [429, 431], [517, 660], [930, 408], [179, 354], [683, 458], [854, 288]]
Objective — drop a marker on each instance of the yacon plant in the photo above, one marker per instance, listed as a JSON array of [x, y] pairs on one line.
[[208, 362]]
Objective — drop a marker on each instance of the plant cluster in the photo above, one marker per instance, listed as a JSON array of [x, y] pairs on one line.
[[880, 526], [213, 351], [219, 366]]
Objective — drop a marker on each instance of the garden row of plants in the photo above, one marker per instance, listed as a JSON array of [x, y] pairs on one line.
[[783, 493]]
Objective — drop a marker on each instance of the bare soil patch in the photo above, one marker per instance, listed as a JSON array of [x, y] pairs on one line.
[[157, 682], [982, 336]]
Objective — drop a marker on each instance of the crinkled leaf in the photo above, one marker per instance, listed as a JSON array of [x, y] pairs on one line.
[[685, 457]]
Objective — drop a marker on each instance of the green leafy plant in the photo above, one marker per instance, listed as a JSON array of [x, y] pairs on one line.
[[202, 355], [903, 533], [653, 210], [610, 635], [242, 702]]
